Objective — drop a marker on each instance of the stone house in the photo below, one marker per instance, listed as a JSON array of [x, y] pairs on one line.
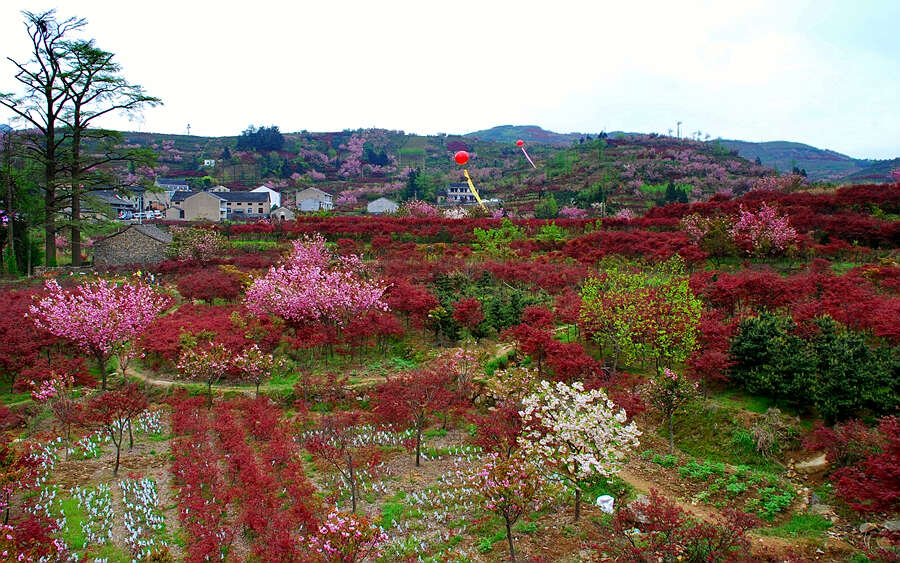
[[382, 205], [314, 199], [283, 214], [136, 244]]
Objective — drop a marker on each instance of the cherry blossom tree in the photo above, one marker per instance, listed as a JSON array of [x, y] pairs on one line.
[[578, 434], [668, 392], [206, 363], [763, 232], [418, 208], [99, 317], [345, 538], [56, 391], [511, 486], [314, 285], [196, 243], [254, 365]]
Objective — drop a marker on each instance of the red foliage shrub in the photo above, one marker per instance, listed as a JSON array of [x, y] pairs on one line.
[[20, 340], [208, 284], [498, 430], [711, 360], [467, 312], [40, 370], [668, 533], [847, 443], [9, 419], [873, 485], [411, 300], [229, 325]]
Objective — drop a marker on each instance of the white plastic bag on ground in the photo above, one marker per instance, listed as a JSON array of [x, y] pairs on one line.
[[605, 502]]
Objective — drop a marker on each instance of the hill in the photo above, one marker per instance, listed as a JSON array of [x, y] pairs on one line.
[[877, 173], [820, 164], [528, 133]]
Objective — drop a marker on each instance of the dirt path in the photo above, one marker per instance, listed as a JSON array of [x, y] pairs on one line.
[[762, 544]]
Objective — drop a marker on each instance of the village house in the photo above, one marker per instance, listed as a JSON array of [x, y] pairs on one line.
[[459, 193], [283, 214], [136, 244], [172, 184], [314, 199], [382, 205], [274, 196], [218, 206]]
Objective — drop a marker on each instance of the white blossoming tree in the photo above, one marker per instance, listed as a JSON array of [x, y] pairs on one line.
[[578, 434]]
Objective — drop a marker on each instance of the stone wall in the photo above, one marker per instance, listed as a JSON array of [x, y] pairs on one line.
[[129, 247]]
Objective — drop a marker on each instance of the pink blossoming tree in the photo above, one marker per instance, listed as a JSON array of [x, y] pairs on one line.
[[254, 365], [345, 538], [99, 317], [313, 285], [205, 363], [763, 232], [511, 486]]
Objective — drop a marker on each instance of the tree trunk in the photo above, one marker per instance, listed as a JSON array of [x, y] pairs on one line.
[[76, 189], [418, 444], [671, 434], [118, 452], [130, 436], [257, 389], [209, 395], [49, 228], [577, 503], [352, 484], [101, 363], [512, 549]]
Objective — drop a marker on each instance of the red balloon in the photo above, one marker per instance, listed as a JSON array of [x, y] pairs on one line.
[[520, 142], [461, 157]]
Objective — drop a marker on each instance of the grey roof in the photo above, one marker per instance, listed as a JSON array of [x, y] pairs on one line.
[[147, 230], [178, 197], [250, 197], [108, 197], [171, 181], [261, 197]]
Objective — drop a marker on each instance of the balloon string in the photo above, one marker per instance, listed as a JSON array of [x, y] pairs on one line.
[[529, 158], [472, 188]]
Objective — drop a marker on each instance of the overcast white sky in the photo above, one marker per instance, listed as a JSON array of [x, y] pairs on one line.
[[822, 72]]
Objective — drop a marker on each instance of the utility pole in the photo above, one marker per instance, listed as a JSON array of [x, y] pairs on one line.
[[679, 129]]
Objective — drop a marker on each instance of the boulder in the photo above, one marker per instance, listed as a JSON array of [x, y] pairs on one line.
[[813, 465]]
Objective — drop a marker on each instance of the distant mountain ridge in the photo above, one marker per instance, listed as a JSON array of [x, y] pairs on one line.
[[527, 133], [821, 165]]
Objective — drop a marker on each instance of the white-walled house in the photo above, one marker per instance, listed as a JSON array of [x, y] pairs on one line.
[[274, 197], [382, 205], [314, 199]]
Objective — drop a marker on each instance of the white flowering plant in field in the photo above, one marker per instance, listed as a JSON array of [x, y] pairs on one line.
[[580, 435]]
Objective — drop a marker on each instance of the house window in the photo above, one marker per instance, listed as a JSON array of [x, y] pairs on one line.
[[260, 210]]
